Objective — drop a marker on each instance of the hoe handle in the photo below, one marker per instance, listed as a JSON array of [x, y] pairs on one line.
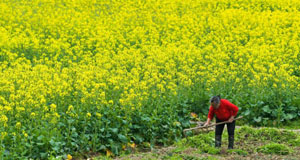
[[200, 127]]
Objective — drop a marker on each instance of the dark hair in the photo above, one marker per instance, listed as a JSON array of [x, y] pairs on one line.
[[215, 99]]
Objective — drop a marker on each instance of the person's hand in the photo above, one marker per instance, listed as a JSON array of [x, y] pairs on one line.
[[231, 119], [206, 124]]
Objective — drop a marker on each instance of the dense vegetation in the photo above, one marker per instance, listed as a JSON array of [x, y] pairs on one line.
[[99, 76]]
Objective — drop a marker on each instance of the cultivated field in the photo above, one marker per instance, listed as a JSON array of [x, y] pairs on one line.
[[102, 76]]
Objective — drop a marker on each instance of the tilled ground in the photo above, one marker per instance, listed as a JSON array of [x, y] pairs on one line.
[[245, 143], [191, 154]]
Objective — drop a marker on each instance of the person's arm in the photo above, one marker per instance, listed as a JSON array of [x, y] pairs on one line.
[[210, 115], [233, 110], [207, 122]]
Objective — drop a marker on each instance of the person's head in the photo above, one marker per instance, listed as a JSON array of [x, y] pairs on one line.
[[215, 101]]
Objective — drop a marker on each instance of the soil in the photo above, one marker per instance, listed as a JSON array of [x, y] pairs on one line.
[[161, 153]]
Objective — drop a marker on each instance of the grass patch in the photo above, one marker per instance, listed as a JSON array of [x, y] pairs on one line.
[[203, 142], [275, 148], [265, 134], [212, 150], [179, 149], [295, 142], [238, 151], [292, 124]]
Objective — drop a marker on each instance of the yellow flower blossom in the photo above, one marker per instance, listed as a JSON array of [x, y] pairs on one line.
[[53, 107], [108, 153], [99, 115], [18, 125], [88, 115], [69, 157], [153, 54], [3, 135], [32, 114]]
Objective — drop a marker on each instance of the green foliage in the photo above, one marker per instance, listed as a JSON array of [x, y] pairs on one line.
[[199, 141], [295, 142], [179, 149], [294, 124], [275, 148], [271, 134], [174, 157], [212, 150], [238, 151], [210, 158], [268, 110], [183, 156], [203, 142]]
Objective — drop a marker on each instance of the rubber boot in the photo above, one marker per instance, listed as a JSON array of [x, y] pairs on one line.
[[230, 141], [218, 141]]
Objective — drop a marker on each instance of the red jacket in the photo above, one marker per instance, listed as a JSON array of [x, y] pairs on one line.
[[224, 112]]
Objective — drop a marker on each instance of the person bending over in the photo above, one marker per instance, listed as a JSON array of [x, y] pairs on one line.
[[224, 111]]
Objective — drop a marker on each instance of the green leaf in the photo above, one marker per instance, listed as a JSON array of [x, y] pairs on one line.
[[260, 103], [102, 147], [266, 109], [60, 124], [147, 119], [185, 123], [292, 108], [102, 130], [247, 112], [108, 135], [43, 155], [115, 149], [70, 121], [257, 119], [124, 122], [73, 144], [27, 145], [24, 152], [41, 137], [136, 126], [289, 116], [52, 142], [40, 144], [122, 138], [56, 148], [74, 134], [138, 138], [114, 130], [165, 126]]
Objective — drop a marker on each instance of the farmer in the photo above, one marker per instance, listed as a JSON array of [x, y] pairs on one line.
[[225, 111]]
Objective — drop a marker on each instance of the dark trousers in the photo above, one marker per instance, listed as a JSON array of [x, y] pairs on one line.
[[220, 127]]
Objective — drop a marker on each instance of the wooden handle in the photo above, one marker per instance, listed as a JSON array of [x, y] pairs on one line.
[[211, 125]]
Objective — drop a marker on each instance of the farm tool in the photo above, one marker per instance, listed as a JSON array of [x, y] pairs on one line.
[[201, 128]]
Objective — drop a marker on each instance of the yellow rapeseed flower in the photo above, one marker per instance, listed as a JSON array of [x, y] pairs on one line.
[[69, 157], [88, 115], [18, 125]]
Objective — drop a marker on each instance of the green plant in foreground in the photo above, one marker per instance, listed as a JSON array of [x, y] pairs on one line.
[[213, 150], [238, 151], [275, 148], [295, 142], [179, 149], [272, 134]]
